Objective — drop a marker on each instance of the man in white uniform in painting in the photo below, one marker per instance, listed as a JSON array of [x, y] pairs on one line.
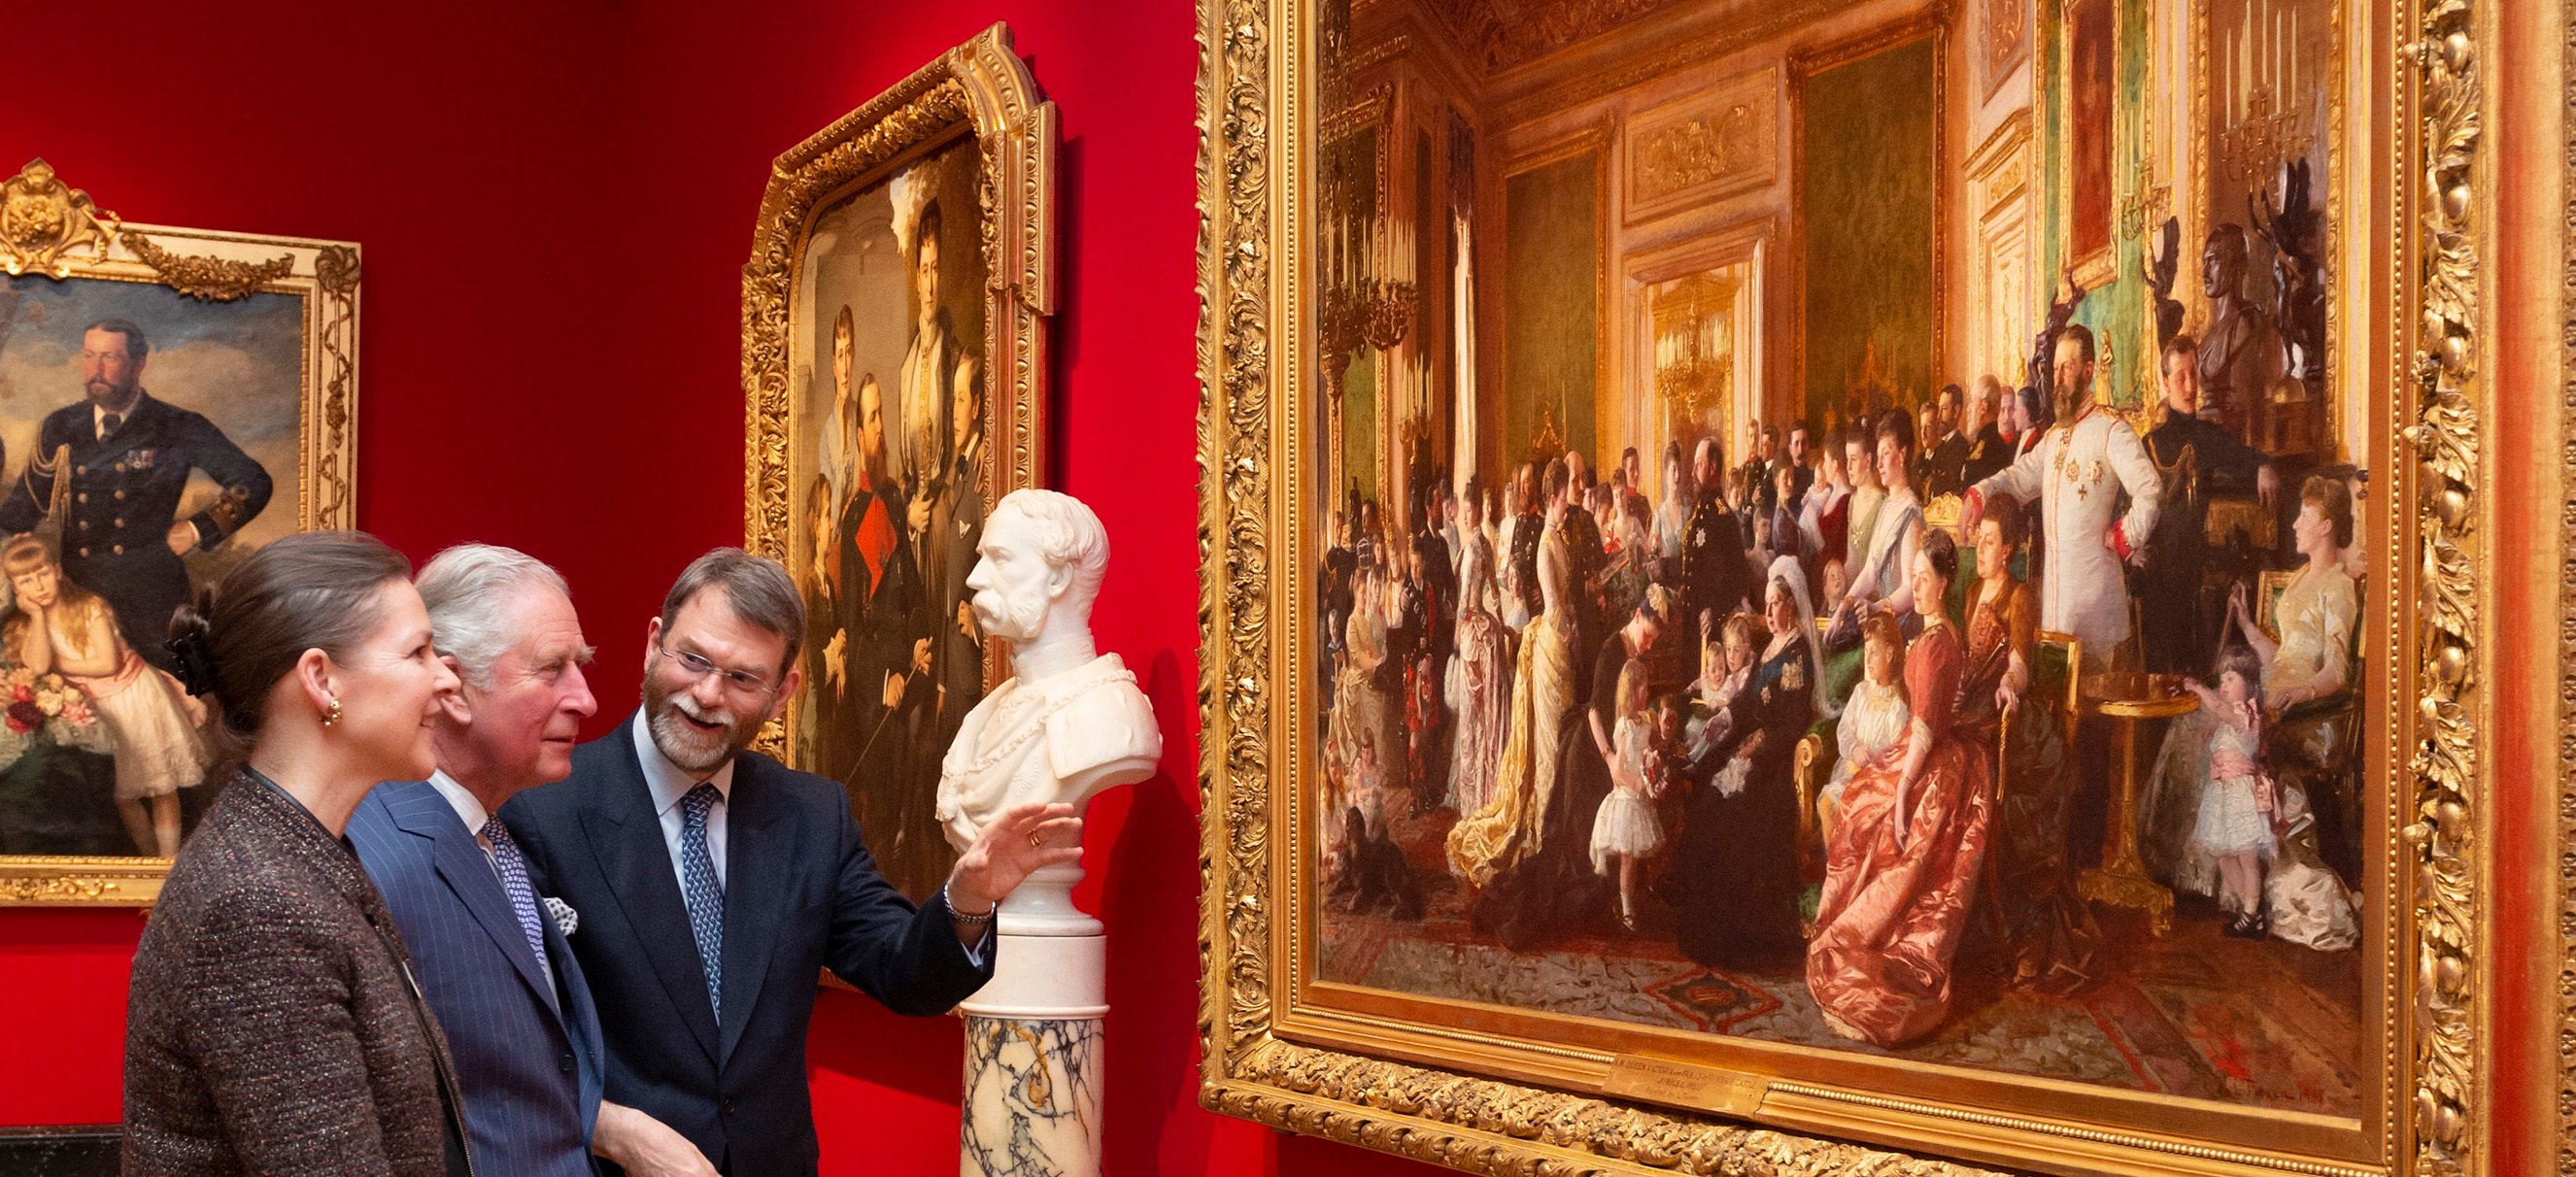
[[2078, 473]]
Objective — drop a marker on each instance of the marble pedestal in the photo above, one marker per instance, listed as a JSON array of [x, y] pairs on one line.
[[1032, 1106]]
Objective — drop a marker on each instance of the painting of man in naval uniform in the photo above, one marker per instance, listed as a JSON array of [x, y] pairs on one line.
[[110, 470], [148, 441]]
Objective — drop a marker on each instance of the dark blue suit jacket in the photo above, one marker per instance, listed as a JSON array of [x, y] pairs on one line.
[[801, 894], [528, 1058]]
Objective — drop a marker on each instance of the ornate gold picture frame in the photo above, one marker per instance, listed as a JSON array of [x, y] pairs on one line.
[[894, 372], [1473, 1085], [221, 410]]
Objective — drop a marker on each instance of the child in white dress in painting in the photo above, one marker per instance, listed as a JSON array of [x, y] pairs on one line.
[[58, 627], [1874, 718], [2232, 838], [1625, 830]]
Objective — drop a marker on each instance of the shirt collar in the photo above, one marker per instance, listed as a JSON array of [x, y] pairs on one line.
[[664, 779], [468, 808], [98, 412]]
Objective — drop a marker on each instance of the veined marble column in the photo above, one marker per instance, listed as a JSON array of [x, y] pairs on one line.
[[1032, 1106]]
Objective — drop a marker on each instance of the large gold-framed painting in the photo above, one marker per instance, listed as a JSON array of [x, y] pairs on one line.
[[1762, 575], [894, 363], [170, 399]]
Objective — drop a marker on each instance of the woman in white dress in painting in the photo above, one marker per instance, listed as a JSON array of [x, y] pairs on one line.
[[1480, 671]]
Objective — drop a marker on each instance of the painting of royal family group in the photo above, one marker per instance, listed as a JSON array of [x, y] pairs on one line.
[[1938, 730]]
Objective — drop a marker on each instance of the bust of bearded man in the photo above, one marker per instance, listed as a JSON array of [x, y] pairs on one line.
[[1069, 721]]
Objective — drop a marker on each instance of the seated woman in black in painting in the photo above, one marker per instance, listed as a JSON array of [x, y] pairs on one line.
[[1734, 881]]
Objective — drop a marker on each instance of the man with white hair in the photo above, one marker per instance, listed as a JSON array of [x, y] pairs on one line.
[[491, 957], [1070, 720]]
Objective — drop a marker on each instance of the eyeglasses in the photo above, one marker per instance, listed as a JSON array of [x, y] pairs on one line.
[[739, 681]]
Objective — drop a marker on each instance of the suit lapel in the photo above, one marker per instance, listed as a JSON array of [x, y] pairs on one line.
[[468, 873], [627, 837], [755, 882]]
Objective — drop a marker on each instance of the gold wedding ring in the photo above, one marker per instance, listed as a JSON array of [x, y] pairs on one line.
[[1033, 841]]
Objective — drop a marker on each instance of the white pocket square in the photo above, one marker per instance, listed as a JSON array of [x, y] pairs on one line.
[[562, 913]]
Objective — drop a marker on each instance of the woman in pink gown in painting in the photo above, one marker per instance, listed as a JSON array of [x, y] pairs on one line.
[[1902, 867]]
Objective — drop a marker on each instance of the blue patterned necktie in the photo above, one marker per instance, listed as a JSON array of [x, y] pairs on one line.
[[705, 895], [514, 880]]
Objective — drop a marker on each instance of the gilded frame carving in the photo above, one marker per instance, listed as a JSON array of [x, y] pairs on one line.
[[1555, 1109], [980, 90], [50, 229]]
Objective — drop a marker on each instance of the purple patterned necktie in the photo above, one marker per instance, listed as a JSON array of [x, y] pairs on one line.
[[704, 894], [514, 881]]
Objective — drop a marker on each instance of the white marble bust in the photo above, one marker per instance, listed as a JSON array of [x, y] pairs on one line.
[[1070, 721]]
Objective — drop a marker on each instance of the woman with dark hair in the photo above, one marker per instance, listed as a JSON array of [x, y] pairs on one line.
[[1672, 519], [2033, 419], [1902, 867], [2049, 930], [273, 1026]]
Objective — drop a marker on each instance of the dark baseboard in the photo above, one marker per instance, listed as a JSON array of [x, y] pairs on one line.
[[73, 1150]]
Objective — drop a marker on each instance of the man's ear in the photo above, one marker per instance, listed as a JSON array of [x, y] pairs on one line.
[[1059, 579], [454, 704], [652, 643]]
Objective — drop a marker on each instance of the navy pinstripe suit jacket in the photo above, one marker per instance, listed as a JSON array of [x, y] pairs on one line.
[[527, 1053]]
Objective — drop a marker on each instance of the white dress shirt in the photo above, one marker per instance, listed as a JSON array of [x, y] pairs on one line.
[[468, 808], [98, 417], [668, 784]]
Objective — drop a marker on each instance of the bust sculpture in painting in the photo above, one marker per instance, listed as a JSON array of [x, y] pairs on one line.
[[1069, 721]]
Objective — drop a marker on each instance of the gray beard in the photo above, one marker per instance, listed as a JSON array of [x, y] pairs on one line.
[[684, 745]]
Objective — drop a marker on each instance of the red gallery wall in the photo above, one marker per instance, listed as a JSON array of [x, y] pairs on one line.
[[555, 202]]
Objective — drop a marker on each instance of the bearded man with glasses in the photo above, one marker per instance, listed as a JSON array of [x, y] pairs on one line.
[[712, 882]]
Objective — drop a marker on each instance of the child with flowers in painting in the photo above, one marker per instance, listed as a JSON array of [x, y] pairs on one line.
[[1625, 829], [58, 627]]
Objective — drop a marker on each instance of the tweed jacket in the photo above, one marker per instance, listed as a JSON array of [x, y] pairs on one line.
[[272, 1026]]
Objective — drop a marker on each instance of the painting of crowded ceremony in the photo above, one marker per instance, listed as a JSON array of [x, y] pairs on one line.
[[1860, 537]]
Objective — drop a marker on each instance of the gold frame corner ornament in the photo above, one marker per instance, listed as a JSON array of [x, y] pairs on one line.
[[1271, 1056], [981, 90], [51, 230], [42, 218]]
